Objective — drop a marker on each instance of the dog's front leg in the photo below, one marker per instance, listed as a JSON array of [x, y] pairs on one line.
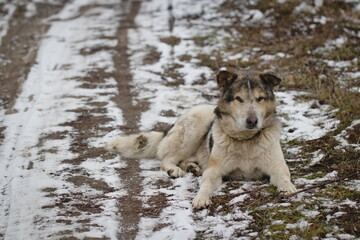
[[278, 171], [211, 179]]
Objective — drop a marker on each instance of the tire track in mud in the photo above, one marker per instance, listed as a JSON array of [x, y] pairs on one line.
[[18, 51], [88, 196], [130, 205], [64, 110]]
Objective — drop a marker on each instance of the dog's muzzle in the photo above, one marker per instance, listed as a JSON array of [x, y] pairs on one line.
[[251, 122]]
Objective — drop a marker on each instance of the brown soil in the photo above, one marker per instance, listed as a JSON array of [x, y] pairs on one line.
[[18, 48], [129, 205]]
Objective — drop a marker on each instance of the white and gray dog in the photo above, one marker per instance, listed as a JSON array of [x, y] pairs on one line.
[[238, 138]]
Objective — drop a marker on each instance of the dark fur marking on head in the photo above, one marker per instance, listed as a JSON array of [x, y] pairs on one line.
[[270, 79], [142, 141], [250, 83], [229, 97], [225, 78]]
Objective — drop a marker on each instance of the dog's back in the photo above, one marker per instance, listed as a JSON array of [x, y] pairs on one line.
[[179, 143]]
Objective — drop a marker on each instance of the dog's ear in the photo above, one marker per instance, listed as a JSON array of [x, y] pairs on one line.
[[270, 79], [225, 78]]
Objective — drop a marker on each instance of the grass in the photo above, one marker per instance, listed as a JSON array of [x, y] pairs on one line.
[[307, 44], [342, 193]]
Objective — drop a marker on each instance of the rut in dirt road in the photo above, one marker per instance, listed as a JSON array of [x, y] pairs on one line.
[[56, 179], [130, 205]]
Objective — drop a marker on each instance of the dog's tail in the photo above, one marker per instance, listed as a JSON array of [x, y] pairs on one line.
[[141, 145]]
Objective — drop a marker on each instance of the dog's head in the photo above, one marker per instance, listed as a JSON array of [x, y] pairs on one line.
[[246, 101]]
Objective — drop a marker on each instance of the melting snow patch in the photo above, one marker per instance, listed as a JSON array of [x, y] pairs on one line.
[[302, 224], [341, 138], [330, 176], [238, 199], [310, 213], [301, 119]]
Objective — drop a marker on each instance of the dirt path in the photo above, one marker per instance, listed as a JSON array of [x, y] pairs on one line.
[[63, 108], [74, 74], [18, 48], [130, 206]]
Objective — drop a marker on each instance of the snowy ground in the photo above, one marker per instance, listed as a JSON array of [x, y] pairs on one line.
[[57, 182]]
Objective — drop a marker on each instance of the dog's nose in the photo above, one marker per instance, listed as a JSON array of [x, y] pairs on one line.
[[251, 122]]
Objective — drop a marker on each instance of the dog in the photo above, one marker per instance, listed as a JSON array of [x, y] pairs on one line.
[[238, 138]]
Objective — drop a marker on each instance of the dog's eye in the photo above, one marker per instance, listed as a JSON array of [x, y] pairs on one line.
[[239, 99], [259, 99]]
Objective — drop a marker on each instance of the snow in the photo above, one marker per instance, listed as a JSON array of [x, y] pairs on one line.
[[238, 199], [330, 176], [306, 8], [253, 15], [4, 20], [51, 91], [341, 137], [30, 10], [48, 94], [303, 121], [317, 157], [302, 224], [310, 213]]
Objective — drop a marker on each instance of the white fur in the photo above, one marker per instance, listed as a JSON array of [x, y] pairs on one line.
[[184, 139], [187, 143], [128, 146], [244, 159]]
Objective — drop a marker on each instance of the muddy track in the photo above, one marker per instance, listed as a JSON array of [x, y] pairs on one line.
[[18, 48], [130, 205]]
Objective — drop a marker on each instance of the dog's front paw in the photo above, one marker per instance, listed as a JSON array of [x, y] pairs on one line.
[[175, 172], [201, 201], [194, 169], [287, 189]]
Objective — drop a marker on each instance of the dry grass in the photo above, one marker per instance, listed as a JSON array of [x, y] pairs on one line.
[[305, 43]]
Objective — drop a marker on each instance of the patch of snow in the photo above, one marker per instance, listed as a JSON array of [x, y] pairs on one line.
[[357, 7], [5, 20], [335, 215], [337, 64], [252, 15], [277, 222], [301, 224], [317, 156], [318, 3], [350, 203], [345, 236], [355, 184], [238, 199], [306, 8], [329, 176], [267, 57], [310, 213], [322, 20], [301, 120], [338, 42], [30, 10], [341, 136]]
